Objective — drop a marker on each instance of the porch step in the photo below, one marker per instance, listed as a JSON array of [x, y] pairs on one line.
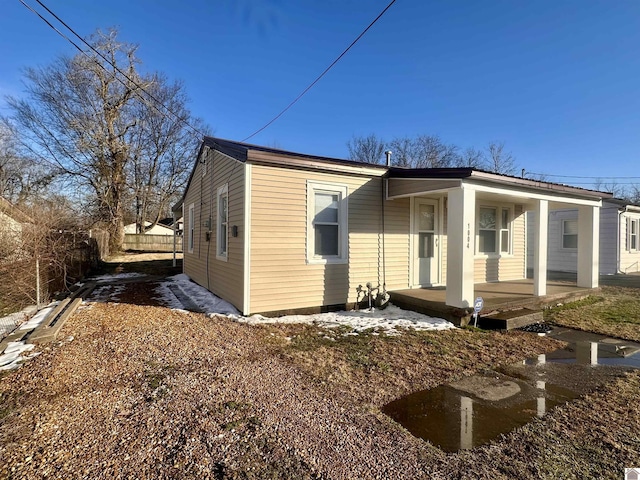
[[510, 319]]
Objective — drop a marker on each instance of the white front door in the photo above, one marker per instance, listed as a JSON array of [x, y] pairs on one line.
[[426, 244]]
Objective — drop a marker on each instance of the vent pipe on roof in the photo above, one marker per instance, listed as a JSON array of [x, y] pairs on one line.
[[388, 154]]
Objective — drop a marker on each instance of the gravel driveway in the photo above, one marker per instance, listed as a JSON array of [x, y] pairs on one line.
[[141, 391]]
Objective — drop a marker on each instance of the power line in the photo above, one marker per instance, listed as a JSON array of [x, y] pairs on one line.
[[321, 75], [579, 176], [140, 87]]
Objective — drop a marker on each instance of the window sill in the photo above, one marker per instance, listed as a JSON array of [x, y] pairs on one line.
[[326, 261], [222, 258], [493, 255]]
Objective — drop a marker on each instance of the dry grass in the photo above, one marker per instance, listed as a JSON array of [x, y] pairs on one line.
[[615, 312], [377, 368]]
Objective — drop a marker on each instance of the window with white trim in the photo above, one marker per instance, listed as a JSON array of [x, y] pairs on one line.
[[494, 230], [327, 231], [505, 231], [487, 241], [222, 222], [632, 234], [190, 233], [570, 234]]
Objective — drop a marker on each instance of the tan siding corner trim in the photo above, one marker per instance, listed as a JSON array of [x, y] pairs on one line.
[[246, 304]]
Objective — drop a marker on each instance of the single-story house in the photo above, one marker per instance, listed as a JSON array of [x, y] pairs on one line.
[[619, 238], [169, 222], [273, 231], [157, 229]]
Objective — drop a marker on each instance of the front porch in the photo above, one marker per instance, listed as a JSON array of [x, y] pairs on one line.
[[512, 302]]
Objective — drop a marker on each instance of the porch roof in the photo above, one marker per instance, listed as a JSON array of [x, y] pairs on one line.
[[415, 182]]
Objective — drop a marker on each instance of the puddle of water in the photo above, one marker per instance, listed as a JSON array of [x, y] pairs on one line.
[[593, 353], [478, 409], [454, 419]]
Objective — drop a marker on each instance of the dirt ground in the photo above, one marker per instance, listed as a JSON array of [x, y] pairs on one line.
[[141, 391]]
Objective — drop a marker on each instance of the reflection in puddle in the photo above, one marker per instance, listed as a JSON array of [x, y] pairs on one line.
[[594, 353], [454, 419], [478, 409]]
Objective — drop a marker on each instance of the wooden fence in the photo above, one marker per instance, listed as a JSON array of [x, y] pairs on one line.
[[151, 243]]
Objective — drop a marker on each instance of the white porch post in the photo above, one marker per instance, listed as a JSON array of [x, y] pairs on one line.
[[540, 249], [588, 246], [461, 214]]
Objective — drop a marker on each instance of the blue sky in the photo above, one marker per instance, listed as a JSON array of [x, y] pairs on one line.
[[557, 81]]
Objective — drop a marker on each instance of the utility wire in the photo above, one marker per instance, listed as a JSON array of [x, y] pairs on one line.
[[579, 176], [140, 87], [50, 25], [321, 75]]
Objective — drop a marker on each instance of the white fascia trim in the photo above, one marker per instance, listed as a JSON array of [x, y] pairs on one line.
[[246, 302], [513, 192]]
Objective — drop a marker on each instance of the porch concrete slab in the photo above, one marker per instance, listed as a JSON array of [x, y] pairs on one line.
[[498, 297]]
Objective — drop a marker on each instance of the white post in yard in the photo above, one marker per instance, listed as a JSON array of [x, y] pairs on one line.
[[540, 249], [588, 246], [37, 283], [174, 238]]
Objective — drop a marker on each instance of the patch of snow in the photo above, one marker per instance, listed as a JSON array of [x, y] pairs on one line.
[[116, 276], [105, 293], [12, 357], [9, 322], [38, 318], [390, 320], [203, 298]]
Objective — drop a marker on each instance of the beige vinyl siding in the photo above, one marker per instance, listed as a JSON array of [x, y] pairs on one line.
[[444, 244], [609, 238], [496, 268], [281, 278], [412, 187], [223, 278]]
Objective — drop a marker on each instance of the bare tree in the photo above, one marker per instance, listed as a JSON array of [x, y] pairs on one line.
[[41, 248], [432, 152], [162, 153], [472, 158], [403, 149], [633, 194], [499, 160], [85, 117], [369, 149], [424, 151], [20, 176]]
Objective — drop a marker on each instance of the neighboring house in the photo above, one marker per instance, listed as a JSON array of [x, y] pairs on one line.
[[12, 221], [169, 222], [157, 229], [619, 238], [273, 231]]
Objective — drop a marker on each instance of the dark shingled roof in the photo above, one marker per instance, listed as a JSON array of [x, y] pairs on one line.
[[238, 150]]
